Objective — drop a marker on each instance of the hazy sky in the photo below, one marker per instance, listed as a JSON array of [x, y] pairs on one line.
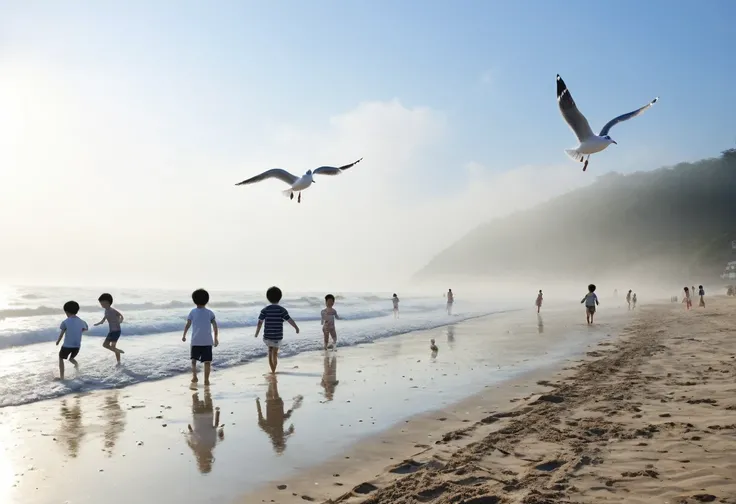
[[124, 125]]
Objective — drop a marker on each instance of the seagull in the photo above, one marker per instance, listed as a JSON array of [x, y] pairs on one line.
[[297, 184], [590, 143]]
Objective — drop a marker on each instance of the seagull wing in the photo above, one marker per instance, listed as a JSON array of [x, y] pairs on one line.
[[277, 173], [626, 117], [332, 170], [577, 121]]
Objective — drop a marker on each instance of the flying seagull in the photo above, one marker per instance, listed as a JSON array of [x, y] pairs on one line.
[[590, 143], [297, 184]]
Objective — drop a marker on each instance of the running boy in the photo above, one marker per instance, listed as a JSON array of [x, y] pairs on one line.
[[202, 321], [395, 299], [274, 316], [71, 330], [114, 319], [590, 300], [329, 315]]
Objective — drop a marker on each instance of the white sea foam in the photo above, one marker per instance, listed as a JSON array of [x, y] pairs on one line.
[[152, 334]]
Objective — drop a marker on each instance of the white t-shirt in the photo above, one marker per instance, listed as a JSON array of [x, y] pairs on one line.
[[201, 326], [74, 327]]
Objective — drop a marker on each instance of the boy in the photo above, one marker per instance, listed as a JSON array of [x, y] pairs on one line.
[[71, 330], [274, 316], [395, 299], [633, 302], [701, 293], [688, 302], [202, 321], [628, 298], [590, 300], [114, 319], [450, 300], [329, 315]]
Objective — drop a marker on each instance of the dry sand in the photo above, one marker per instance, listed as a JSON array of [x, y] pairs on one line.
[[648, 419]]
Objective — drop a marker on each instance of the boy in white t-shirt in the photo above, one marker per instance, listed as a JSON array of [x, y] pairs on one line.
[[591, 301], [71, 330], [202, 321]]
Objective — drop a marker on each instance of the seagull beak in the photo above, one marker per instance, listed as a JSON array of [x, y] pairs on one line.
[[614, 141]]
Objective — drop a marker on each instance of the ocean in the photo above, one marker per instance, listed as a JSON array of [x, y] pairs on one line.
[[154, 320]]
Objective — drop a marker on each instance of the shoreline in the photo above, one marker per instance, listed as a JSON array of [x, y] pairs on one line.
[[647, 418], [336, 400]]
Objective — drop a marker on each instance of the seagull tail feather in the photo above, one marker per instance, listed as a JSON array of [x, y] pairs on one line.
[[574, 154]]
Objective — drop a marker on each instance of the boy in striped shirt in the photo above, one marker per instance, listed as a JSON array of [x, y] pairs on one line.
[[273, 317]]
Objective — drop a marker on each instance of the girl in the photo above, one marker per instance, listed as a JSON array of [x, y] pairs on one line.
[[688, 302], [539, 300]]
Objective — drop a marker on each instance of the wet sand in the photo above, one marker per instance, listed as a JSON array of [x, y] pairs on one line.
[[650, 418], [165, 443]]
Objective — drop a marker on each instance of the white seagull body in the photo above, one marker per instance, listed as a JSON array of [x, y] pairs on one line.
[[297, 184], [590, 143]]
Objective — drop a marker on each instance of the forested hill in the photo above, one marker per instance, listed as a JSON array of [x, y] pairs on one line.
[[675, 222]]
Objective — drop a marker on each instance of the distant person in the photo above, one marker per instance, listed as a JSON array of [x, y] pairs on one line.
[[615, 293], [329, 314], [202, 321], [590, 300], [71, 330], [538, 303], [628, 298], [633, 302], [274, 316], [114, 318], [686, 299], [450, 301], [701, 293], [395, 300]]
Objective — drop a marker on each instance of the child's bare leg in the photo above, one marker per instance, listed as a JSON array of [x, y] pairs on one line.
[[326, 334], [74, 361], [113, 347], [61, 368], [207, 368], [333, 333], [194, 371], [275, 359]]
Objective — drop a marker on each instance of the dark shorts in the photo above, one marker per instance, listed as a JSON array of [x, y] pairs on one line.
[[590, 309], [202, 353], [112, 336], [68, 353]]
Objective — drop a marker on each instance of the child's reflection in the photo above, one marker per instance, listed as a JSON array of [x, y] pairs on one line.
[[273, 423], [329, 377], [203, 434]]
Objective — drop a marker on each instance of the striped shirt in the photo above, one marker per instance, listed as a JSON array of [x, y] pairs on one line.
[[273, 316]]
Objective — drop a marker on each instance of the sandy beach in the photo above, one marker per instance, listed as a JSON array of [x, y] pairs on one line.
[[157, 441], [649, 418]]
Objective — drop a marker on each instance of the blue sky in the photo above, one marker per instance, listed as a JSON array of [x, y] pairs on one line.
[[216, 82]]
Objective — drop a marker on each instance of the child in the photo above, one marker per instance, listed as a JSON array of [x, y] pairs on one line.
[[202, 321], [688, 302], [395, 299], [114, 319], [590, 300], [274, 316], [701, 293], [633, 302], [71, 330], [329, 315], [539, 300], [628, 298], [450, 300]]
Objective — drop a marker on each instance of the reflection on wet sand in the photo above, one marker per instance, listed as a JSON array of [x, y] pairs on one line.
[[451, 334], [329, 377], [72, 430], [540, 324], [203, 434], [114, 417], [273, 423]]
